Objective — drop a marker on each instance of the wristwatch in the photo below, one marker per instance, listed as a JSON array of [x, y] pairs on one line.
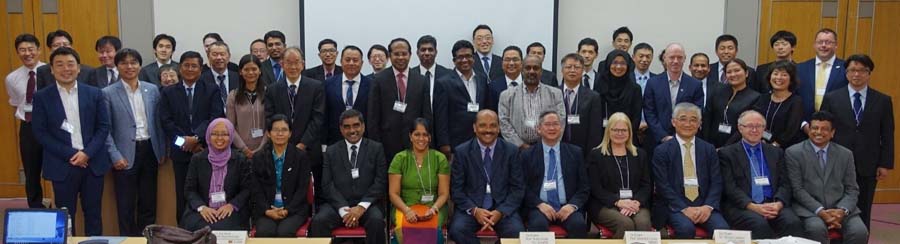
[[200, 209]]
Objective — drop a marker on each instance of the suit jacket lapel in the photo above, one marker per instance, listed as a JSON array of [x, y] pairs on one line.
[[362, 96], [830, 161], [744, 163], [808, 146], [583, 102], [772, 163], [122, 94]]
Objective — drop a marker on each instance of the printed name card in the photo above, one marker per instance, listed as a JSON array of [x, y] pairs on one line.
[[230, 237], [537, 238], [732, 237], [642, 237]]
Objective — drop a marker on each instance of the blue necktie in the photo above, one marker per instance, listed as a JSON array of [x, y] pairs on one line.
[[552, 195], [487, 66], [223, 92], [488, 163], [756, 191], [348, 102], [857, 107], [277, 69]]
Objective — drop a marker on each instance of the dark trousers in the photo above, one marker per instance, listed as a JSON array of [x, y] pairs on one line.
[[464, 226], [327, 218], [180, 168], [239, 220], [141, 178], [685, 229], [787, 223], [81, 183], [32, 160], [866, 196], [287, 227], [575, 225]]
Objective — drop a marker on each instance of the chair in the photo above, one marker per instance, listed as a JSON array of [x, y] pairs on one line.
[[604, 231], [303, 231], [699, 232], [835, 235]]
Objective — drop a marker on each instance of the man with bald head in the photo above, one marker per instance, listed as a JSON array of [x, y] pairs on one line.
[[486, 183], [520, 106], [665, 90]]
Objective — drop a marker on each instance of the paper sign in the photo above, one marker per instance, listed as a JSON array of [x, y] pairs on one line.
[[537, 238], [642, 237], [230, 237], [731, 237]]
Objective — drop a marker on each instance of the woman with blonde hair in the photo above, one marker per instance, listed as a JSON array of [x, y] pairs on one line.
[[620, 180]]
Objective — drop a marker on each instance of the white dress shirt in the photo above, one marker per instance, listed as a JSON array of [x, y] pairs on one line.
[[346, 209], [16, 88], [470, 84], [423, 70], [138, 111], [73, 117], [509, 82], [344, 86]]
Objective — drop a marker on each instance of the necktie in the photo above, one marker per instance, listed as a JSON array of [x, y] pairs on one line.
[[821, 155], [569, 111], [690, 191], [223, 91], [722, 77], [487, 65], [348, 102], [328, 75], [488, 163], [514, 83], [820, 83], [857, 107], [292, 92], [276, 68], [112, 76], [190, 98], [401, 86], [552, 195], [29, 93], [586, 82], [756, 191], [428, 75], [353, 156]]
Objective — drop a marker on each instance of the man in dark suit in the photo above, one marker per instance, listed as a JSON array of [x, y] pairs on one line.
[[303, 100], [378, 57], [106, 73], [344, 92], [426, 50], [466, 93], [820, 75], [783, 43], [588, 48], [512, 76], [57, 39], [397, 98], [686, 174], [664, 91], [71, 122], [163, 47], [547, 77], [486, 184], [864, 123], [219, 75], [642, 57], [757, 194], [557, 186], [584, 114], [621, 40], [271, 70], [487, 64], [185, 110], [355, 183], [823, 180], [328, 55], [726, 50], [699, 68], [208, 40]]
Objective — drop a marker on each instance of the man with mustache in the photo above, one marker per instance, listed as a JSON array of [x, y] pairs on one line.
[[519, 108]]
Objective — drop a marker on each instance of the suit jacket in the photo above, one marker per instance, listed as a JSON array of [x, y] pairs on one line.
[[209, 77], [589, 132], [834, 187], [308, 112], [295, 176], [496, 87], [872, 140], [668, 172], [496, 67], [150, 72], [574, 173], [547, 77], [120, 143], [387, 125], [340, 189], [318, 72], [439, 71], [267, 72], [468, 180], [806, 76], [237, 184], [334, 104], [43, 76], [658, 103], [752, 82], [606, 179], [47, 118], [100, 77], [460, 128], [736, 168], [177, 120]]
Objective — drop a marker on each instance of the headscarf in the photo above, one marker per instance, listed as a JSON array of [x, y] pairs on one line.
[[610, 86], [218, 159]]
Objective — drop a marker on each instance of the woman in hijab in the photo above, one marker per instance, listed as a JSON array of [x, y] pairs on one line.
[[618, 90], [218, 183]]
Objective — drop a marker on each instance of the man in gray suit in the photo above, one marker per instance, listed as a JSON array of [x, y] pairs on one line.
[[135, 143], [823, 178]]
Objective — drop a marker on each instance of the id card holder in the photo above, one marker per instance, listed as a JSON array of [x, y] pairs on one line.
[[605, 123], [767, 135], [278, 196], [354, 173], [27, 107], [725, 128], [67, 127], [179, 141], [487, 188], [217, 197], [427, 198], [256, 133], [400, 106], [761, 180], [691, 182], [530, 123], [573, 119], [625, 194], [549, 185], [472, 107]]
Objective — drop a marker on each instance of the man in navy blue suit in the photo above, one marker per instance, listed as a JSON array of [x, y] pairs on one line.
[[820, 75], [71, 122], [487, 63], [686, 173], [486, 184], [512, 76], [465, 92], [557, 189], [664, 91], [350, 90]]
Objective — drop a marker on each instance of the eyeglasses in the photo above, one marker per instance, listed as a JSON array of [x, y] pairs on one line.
[[688, 120], [826, 42], [754, 126], [619, 131], [858, 71], [280, 130], [484, 38]]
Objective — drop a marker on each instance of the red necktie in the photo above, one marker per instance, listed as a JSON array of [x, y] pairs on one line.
[[29, 93], [401, 86]]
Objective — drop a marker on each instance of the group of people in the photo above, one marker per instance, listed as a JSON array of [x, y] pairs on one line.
[[495, 143]]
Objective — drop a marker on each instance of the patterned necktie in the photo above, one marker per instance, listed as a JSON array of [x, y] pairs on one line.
[[112, 76], [401, 86], [488, 201], [857, 107], [821, 82], [190, 98], [29, 93], [348, 102], [552, 195], [821, 155], [353, 154], [586, 82], [487, 65], [722, 78], [690, 191], [223, 91]]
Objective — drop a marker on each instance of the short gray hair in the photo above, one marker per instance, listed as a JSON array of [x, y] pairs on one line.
[[686, 107], [543, 116], [742, 118]]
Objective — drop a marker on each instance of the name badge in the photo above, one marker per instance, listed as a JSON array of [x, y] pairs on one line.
[[67, 127], [487, 188], [278, 197], [354, 173], [27, 107], [348, 107], [140, 125], [530, 123], [217, 197], [472, 107], [625, 194], [691, 182], [426, 198], [767, 135], [400, 106], [179, 141], [725, 128], [549, 185], [605, 123], [761, 180], [256, 133], [573, 119], [820, 91]]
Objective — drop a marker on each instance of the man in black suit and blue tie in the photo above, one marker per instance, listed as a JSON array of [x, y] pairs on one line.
[[349, 90], [486, 184], [271, 69], [487, 64], [820, 75]]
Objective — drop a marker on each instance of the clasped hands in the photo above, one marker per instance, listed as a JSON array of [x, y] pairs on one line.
[[832, 217], [277, 213], [487, 218], [553, 215], [628, 207], [412, 217], [767, 210], [699, 214], [351, 219], [214, 215]]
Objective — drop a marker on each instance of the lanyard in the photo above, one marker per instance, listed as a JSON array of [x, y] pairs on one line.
[[419, 171], [771, 122], [748, 149], [625, 184], [725, 112]]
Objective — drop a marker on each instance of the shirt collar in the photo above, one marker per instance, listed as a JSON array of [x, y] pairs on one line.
[[355, 78], [422, 69], [278, 157], [217, 74], [296, 82], [350, 145], [160, 64], [830, 61], [817, 148], [554, 147], [748, 146], [677, 79], [682, 141], [129, 89], [483, 147], [187, 86], [463, 77], [639, 74], [61, 89], [574, 90], [862, 92], [518, 80], [405, 72], [39, 64], [482, 56]]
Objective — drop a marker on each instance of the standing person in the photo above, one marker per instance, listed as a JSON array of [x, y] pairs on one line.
[[618, 91], [56, 39], [584, 112], [512, 76], [536, 49], [163, 48], [136, 144], [245, 107], [782, 109], [378, 58], [820, 75], [258, 49], [106, 73], [21, 85], [275, 44], [349, 90], [519, 108], [488, 64], [71, 122], [782, 43], [465, 93], [663, 92], [168, 75], [328, 50], [736, 98]]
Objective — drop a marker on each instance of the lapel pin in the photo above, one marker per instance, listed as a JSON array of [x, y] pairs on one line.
[[289, 169]]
